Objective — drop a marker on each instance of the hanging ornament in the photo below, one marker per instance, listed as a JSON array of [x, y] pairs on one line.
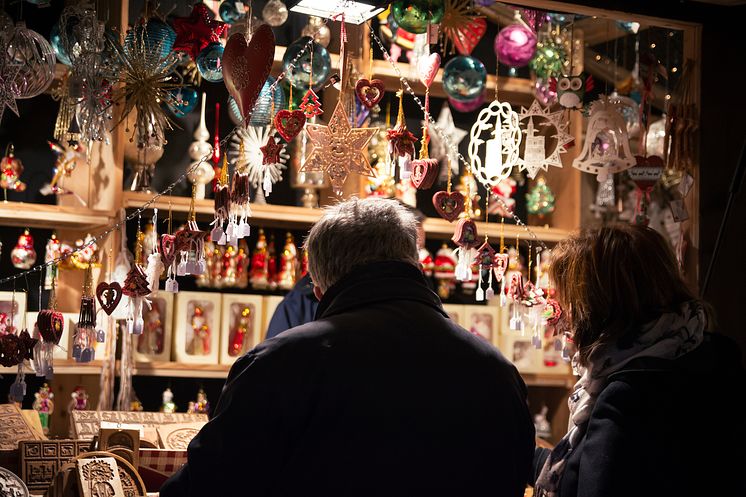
[[246, 65], [11, 169], [515, 45], [645, 173], [155, 266], [184, 101], [195, 32], [606, 148], [52, 252], [501, 201], [449, 205], [544, 93], [289, 123], [259, 168], [109, 295], [314, 64], [23, 255], [540, 200], [501, 149], [157, 37], [467, 106], [444, 271], [288, 264], [136, 287], [232, 11], [369, 92], [50, 323], [401, 143], [317, 29], [200, 172], [438, 148], [485, 264], [425, 169], [275, 13], [33, 55], [84, 339], [240, 210], [338, 148], [259, 269], [546, 138], [222, 204], [572, 91], [270, 97], [466, 238], [461, 26], [630, 110], [67, 157], [209, 62], [549, 59], [190, 244], [464, 78], [415, 16], [8, 90], [311, 105]]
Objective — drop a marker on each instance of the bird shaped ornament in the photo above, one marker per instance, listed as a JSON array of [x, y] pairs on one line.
[[573, 92]]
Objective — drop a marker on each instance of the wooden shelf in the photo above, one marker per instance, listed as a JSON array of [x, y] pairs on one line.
[[180, 370], [28, 215], [440, 228]]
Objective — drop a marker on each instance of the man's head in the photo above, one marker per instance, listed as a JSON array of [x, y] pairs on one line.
[[358, 232]]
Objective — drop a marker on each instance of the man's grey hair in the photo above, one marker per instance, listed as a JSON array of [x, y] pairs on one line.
[[358, 232]]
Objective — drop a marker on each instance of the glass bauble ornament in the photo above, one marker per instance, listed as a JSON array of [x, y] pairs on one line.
[[275, 13], [515, 45], [464, 78], [559, 18], [6, 23], [549, 59], [262, 113], [229, 11], [415, 15], [467, 106], [158, 38], [185, 101], [33, 54], [300, 75], [317, 28], [23, 255], [56, 41], [209, 62]]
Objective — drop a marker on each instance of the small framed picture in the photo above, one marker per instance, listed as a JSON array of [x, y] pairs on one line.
[[154, 344], [521, 352], [482, 320], [12, 312], [270, 304], [242, 316], [456, 313], [197, 328]]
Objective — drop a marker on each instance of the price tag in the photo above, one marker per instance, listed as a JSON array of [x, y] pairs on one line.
[[686, 185], [432, 34], [678, 209]]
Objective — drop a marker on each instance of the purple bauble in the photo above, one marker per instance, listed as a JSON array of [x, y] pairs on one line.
[[515, 45], [469, 105]]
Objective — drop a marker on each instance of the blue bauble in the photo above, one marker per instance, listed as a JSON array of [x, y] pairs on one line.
[[157, 37], [262, 113], [56, 41], [185, 101], [229, 12], [464, 78], [299, 75], [209, 62]]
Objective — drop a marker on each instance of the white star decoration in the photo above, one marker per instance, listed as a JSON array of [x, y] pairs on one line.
[[8, 93], [438, 148], [535, 155]]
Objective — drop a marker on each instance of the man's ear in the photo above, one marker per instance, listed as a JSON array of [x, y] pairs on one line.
[[318, 292]]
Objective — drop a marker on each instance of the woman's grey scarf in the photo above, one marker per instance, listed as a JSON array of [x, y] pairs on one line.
[[669, 337]]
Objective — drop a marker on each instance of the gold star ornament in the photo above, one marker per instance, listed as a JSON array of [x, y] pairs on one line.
[[338, 148]]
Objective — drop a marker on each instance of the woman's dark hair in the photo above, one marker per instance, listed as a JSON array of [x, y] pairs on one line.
[[612, 280]]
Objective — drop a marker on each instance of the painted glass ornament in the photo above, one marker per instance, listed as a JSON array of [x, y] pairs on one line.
[[209, 62], [300, 75], [502, 146], [275, 13], [464, 78], [44, 405], [156, 37], [23, 255], [515, 45], [184, 101], [318, 29], [415, 15], [56, 42], [467, 106], [288, 264], [11, 169], [262, 113], [200, 172], [34, 56], [201, 405], [549, 59], [540, 199], [231, 12], [167, 404]]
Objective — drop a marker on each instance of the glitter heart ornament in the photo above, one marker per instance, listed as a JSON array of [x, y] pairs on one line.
[[289, 123], [246, 66], [370, 92]]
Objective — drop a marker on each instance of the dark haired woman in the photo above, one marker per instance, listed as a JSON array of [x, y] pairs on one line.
[[658, 410]]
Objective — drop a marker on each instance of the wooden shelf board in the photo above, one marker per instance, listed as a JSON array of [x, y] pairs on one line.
[[440, 228], [30, 215]]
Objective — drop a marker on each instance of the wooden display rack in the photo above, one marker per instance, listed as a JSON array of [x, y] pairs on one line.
[[106, 196]]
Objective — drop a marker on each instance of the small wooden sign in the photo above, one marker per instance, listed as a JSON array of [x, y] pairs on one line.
[[99, 477]]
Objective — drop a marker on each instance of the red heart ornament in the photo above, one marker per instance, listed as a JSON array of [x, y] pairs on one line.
[[109, 295], [51, 324], [370, 92], [424, 173], [246, 65], [449, 205], [647, 171], [168, 249], [428, 67], [289, 123]]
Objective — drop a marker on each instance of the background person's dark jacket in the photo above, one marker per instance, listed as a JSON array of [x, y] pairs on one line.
[[297, 308], [665, 428], [382, 395]]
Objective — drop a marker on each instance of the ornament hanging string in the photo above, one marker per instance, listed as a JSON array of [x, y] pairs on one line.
[[444, 136], [166, 191]]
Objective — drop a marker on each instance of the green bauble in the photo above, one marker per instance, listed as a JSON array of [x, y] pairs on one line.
[[549, 59], [415, 15]]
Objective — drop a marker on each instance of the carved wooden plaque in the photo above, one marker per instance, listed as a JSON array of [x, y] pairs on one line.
[[13, 428], [86, 424], [99, 477], [11, 485], [40, 460], [178, 436], [125, 443]]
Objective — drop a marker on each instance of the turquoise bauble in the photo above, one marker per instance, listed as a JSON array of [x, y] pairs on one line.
[[464, 78], [262, 113], [415, 15], [157, 36], [229, 12], [300, 75], [56, 40], [209, 62], [185, 101]]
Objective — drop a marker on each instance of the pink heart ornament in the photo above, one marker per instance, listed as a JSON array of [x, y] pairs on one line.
[[428, 67]]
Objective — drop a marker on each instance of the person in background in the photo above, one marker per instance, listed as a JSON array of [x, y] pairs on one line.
[[658, 407], [299, 305], [381, 395]]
